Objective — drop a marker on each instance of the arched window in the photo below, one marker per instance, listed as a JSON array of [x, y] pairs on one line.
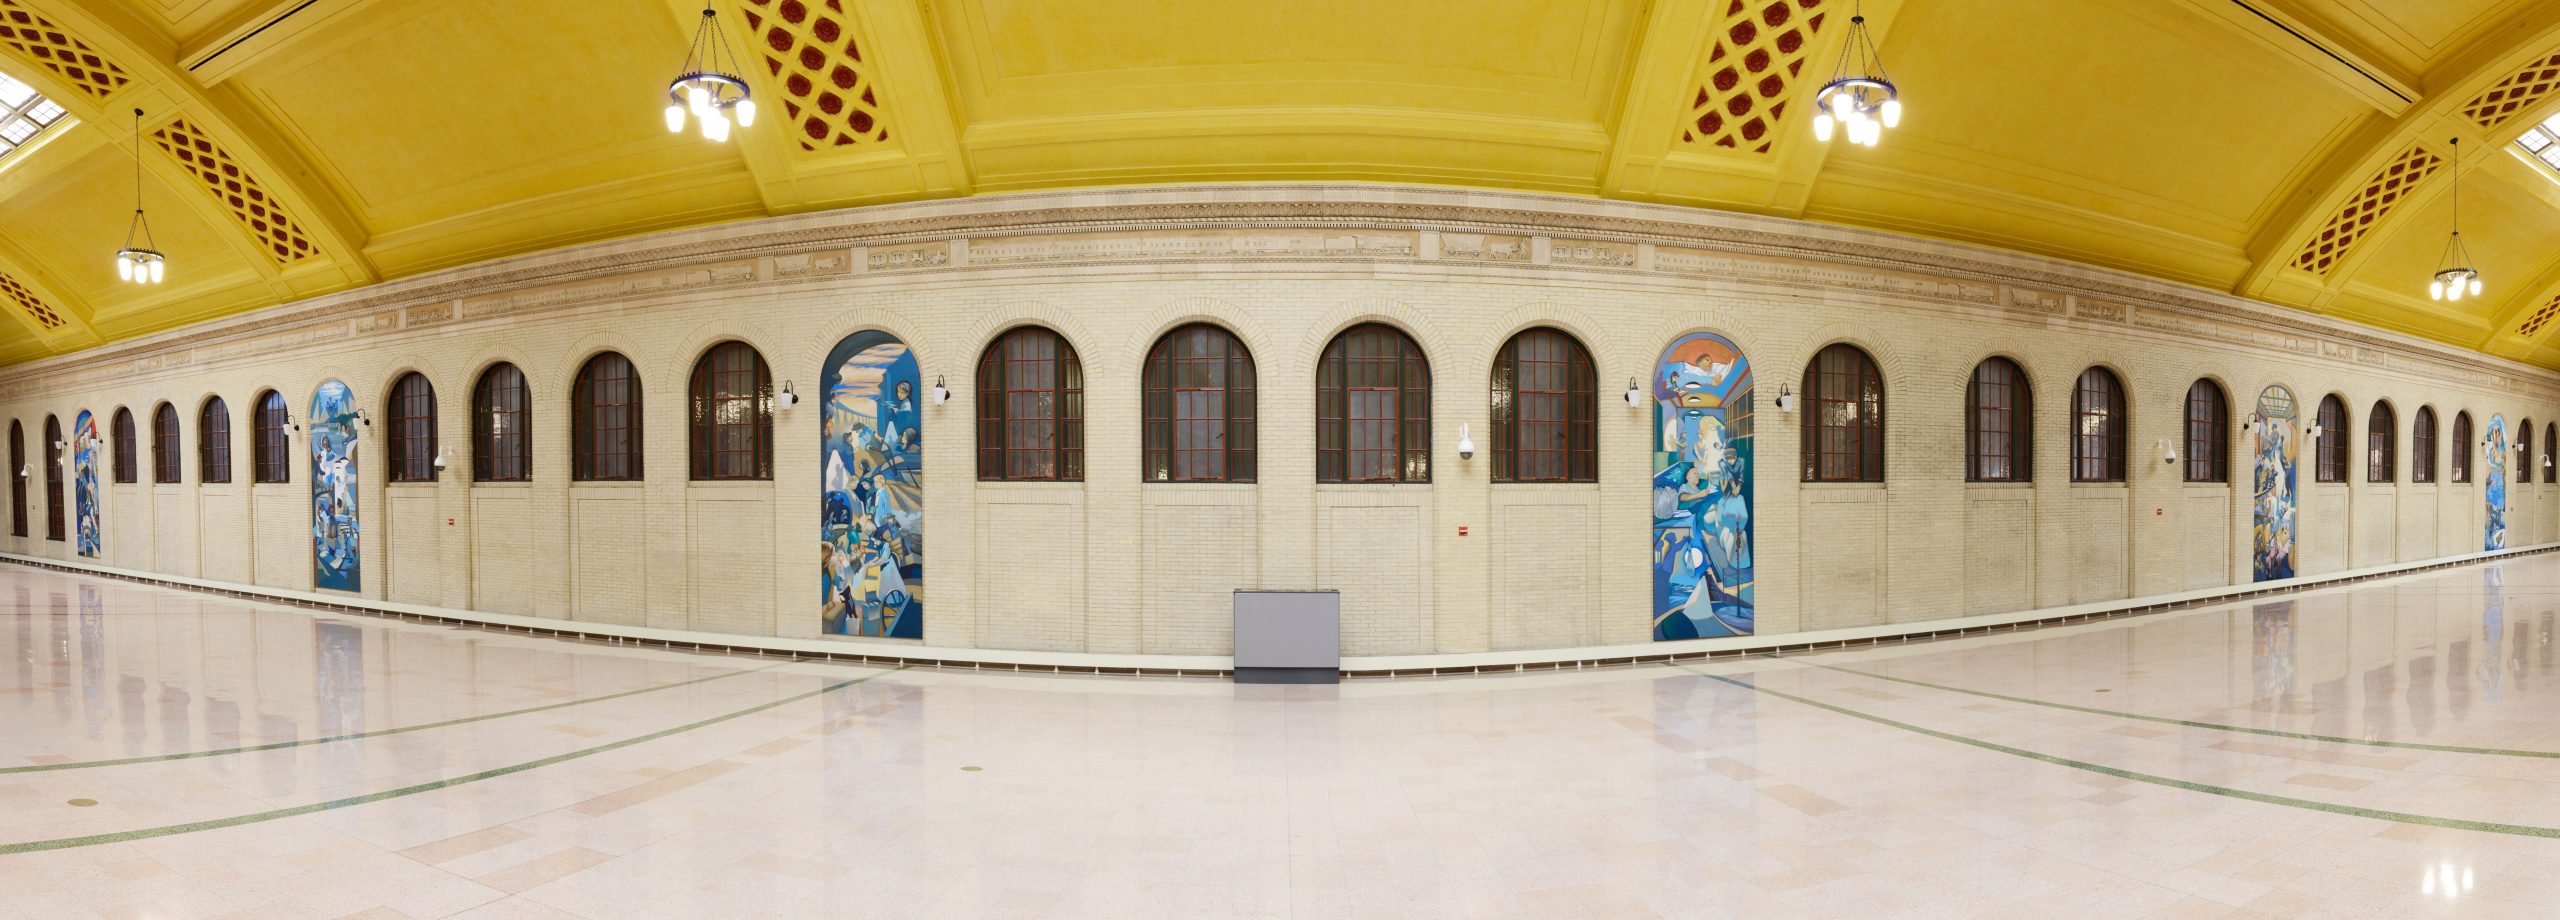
[[413, 429], [1030, 408], [128, 448], [2550, 450], [2332, 450], [732, 414], [17, 479], [1198, 392], [501, 427], [2462, 447], [52, 478], [1373, 408], [213, 441], [164, 444], [604, 421], [2097, 427], [273, 461], [1546, 410], [2422, 446], [1843, 424], [2381, 445], [2523, 469], [2208, 442], [1998, 430]]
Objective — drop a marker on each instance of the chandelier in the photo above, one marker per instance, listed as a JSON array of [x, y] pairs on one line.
[[711, 86], [139, 263], [2455, 278], [1860, 100]]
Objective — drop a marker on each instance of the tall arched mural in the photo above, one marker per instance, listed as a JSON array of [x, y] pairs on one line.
[[1702, 490], [84, 483], [2272, 519], [2494, 533], [871, 560], [334, 532]]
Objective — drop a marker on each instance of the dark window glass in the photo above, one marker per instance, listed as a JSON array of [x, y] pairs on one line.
[[604, 421], [213, 441], [2550, 449], [1030, 408], [1843, 423], [1998, 433], [2422, 446], [732, 414], [164, 444], [1546, 410], [1199, 407], [1373, 408], [17, 479], [52, 478], [501, 427], [2208, 424], [2332, 449], [2462, 447], [128, 448], [2097, 427], [273, 462], [413, 429], [2381, 447], [2523, 469]]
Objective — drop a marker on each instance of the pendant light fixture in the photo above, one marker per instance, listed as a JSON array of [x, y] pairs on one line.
[[2455, 278], [711, 86], [1859, 100], [138, 262]]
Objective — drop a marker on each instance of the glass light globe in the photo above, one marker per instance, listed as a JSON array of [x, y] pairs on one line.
[[1822, 127], [675, 118], [746, 110], [1892, 112], [2435, 290], [124, 268], [2475, 285], [159, 270]]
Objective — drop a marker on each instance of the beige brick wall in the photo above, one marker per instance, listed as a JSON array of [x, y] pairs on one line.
[[1112, 565]]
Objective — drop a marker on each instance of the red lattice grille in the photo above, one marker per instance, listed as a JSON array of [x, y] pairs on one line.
[[1759, 51], [278, 235], [39, 40], [815, 58], [2513, 94], [2540, 318], [2380, 194], [28, 301]]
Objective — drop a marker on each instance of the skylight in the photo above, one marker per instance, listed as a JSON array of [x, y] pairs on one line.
[[27, 113], [2543, 141]]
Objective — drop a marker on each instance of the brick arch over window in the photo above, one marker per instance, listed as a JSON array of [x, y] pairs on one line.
[[52, 478], [2382, 445], [2330, 456], [413, 429], [128, 447], [732, 414], [604, 420], [1198, 395], [164, 444], [273, 461], [17, 479], [2208, 441], [1546, 409], [1999, 426], [501, 426], [1373, 407], [2098, 423], [1030, 408], [2462, 452], [1843, 419], [2422, 445], [213, 441]]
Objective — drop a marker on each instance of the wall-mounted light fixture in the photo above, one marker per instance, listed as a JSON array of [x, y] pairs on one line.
[[2311, 434], [25, 470], [440, 459], [786, 399], [1466, 445], [1635, 397], [2168, 451], [941, 394], [1786, 399]]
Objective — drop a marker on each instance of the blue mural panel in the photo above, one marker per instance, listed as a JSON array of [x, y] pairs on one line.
[[334, 532], [1702, 447], [2494, 532], [871, 463], [2271, 520], [84, 484]]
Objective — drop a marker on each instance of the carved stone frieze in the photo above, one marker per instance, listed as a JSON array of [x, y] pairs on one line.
[[1591, 252], [901, 258], [1484, 247], [1234, 245]]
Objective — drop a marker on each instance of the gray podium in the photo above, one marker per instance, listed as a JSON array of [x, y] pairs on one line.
[[1288, 637]]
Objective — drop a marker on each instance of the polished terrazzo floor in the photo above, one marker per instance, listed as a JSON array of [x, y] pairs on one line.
[[2386, 749]]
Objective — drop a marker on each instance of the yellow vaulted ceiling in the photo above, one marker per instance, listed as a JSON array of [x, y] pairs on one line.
[[2294, 151]]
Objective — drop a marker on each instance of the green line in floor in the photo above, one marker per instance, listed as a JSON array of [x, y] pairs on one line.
[[66, 843], [281, 745], [2189, 723], [2519, 830]]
